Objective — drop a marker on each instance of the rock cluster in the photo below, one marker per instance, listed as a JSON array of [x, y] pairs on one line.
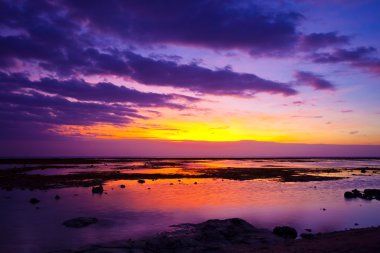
[[368, 194], [210, 236]]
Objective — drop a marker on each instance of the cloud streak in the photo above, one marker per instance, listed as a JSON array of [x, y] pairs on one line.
[[360, 57], [315, 81]]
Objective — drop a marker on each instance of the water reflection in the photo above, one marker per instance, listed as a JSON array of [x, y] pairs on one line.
[[136, 210]]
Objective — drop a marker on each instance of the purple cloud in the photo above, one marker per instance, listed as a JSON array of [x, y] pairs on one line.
[[313, 80], [99, 92], [321, 40], [47, 103], [211, 24], [199, 79], [360, 57]]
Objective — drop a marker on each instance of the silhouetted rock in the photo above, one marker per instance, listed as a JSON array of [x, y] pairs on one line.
[[368, 194], [34, 201], [357, 193], [363, 171], [372, 193], [80, 222], [285, 232], [122, 186], [141, 181], [98, 189], [349, 195], [57, 197]]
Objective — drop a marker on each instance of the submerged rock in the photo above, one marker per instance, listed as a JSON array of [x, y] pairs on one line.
[[285, 232], [80, 222], [98, 189]]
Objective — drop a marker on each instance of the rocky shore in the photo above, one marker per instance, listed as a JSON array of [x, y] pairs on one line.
[[236, 235]]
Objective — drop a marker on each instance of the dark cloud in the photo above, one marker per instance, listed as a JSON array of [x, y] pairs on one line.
[[360, 57], [313, 80], [213, 24], [161, 72], [199, 79], [346, 111], [32, 106], [321, 40], [99, 92], [47, 103]]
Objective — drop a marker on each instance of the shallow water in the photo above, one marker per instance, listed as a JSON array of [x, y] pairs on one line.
[[137, 211]]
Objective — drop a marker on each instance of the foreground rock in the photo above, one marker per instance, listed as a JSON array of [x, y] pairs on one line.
[[80, 222], [209, 236], [238, 236], [368, 194]]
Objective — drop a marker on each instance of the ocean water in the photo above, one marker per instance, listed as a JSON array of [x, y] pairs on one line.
[[145, 209]]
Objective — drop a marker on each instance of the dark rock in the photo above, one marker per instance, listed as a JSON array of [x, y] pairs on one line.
[[98, 189], [34, 201], [356, 224], [372, 193], [285, 232], [141, 181], [323, 209], [80, 222], [368, 194], [357, 193], [195, 183], [363, 171], [57, 197], [349, 195], [122, 186]]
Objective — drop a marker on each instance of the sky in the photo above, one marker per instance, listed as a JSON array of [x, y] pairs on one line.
[[190, 78]]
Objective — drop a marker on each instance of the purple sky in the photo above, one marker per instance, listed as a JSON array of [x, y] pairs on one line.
[[176, 78]]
